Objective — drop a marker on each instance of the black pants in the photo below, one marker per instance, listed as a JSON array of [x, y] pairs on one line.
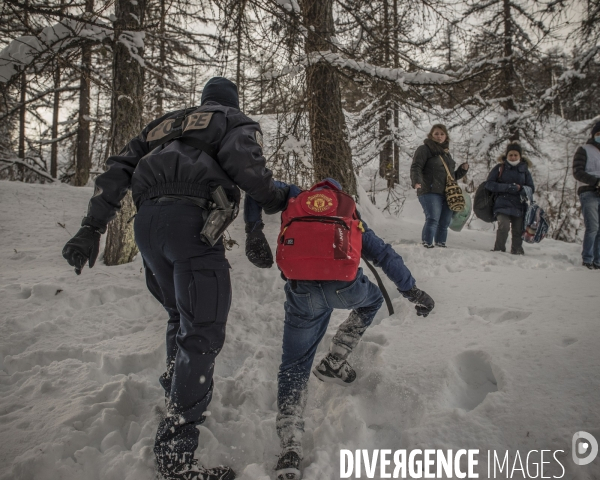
[[191, 280], [515, 225]]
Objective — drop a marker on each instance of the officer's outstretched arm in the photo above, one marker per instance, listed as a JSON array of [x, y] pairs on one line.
[[258, 250], [109, 189], [242, 159], [111, 186]]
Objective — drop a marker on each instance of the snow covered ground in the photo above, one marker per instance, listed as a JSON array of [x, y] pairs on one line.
[[509, 359]]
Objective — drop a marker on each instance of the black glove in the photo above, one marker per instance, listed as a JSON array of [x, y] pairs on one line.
[[83, 247], [423, 302], [258, 250], [513, 188]]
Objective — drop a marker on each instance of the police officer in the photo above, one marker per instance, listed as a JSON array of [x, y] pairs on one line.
[[175, 168]]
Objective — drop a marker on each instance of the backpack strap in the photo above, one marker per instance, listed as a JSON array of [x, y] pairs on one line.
[[384, 292]]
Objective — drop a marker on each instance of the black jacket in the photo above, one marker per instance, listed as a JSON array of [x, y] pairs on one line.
[[579, 163], [509, 202], [428, 170], [176, 168]]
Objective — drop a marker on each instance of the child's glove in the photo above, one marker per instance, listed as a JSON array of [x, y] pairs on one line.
[[423, 303]]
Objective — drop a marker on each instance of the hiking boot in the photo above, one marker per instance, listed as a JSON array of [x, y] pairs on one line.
[[427, 245], [591, 266], [336, 371], [288, 467], [441, 245], [517, 251], [194, 471]]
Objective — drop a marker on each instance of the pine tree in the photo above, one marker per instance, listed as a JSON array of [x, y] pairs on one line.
[[507, 38]]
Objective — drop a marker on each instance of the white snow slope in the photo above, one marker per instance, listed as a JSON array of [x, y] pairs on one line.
[[508, 360]]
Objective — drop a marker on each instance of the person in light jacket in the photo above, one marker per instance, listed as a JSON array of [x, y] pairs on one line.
[[586, 169]]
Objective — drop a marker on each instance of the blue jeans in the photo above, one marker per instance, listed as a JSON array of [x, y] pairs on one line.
[[437, 218], [308, 309], [590, 207]]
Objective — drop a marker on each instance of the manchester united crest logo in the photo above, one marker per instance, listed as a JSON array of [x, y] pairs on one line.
[[319, 202]]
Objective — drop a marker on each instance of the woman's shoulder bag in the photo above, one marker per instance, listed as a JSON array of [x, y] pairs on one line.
[[454, 194]]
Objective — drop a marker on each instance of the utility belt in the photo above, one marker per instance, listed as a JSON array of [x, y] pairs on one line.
[[203, 203], [221, 212]]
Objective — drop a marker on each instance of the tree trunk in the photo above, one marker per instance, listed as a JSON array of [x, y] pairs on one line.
[[83, 161], [126, 121], [239, 44], [22, 110], [55, 116], [396, 172], [386, 156], [508, 70], [55, 112], [331, 153], [162, 60]]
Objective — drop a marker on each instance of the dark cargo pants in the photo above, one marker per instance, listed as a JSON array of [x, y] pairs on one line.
[[191, 280]]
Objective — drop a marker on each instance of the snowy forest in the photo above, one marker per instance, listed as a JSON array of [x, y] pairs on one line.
[[78, 80], [494, 352]]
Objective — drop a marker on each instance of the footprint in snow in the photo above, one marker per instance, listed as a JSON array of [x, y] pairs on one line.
[[568, 341], [499, 315], [469, 379]]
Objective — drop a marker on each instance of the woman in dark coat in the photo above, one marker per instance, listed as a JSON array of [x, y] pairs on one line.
[[428, 176], [507, 180]]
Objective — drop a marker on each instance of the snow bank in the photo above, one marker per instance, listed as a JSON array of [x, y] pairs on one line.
[[508, 360]]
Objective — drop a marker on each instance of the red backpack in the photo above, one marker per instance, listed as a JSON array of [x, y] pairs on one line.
[[321, 236]]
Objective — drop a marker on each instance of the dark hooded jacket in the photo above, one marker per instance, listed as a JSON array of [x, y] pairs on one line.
[[428, 170], [177, 168], [508, 198], [579, 163]]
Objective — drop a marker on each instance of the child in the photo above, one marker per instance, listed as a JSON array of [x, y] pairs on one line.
[[309, 303]]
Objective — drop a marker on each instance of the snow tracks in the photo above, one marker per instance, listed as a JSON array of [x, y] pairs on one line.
[[507, 360]]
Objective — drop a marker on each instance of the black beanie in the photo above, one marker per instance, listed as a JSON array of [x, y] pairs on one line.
[[595, 129], [222, 91], [514, 146]]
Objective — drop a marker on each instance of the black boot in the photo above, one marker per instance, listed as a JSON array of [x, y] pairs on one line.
[[194, 471], [288, 467], [335, 371]]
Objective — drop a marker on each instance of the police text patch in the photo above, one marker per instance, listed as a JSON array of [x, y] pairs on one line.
[[197, 121], [161, 130]]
